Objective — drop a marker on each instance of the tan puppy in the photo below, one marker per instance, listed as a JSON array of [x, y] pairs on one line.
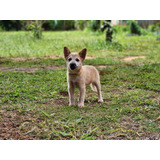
[[80, 76]]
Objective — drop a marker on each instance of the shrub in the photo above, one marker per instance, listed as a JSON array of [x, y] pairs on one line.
[[109, 30], [49, 25], [1, 28], [70, 25], [36, 27], [135, 28], [81, 24], [121, 28], [154, 27], [94, 25], [59, 25], [11, 25]]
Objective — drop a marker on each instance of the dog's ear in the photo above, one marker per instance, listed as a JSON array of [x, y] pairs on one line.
[[82, 54], [66, 52]]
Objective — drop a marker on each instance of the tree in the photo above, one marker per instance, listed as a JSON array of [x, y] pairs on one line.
[[109, 30], [36, 27]]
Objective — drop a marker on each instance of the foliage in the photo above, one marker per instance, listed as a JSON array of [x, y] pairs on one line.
[[135, 28], [81, 24], [109, 30], [121, 28], [10, 25], [59, 25], [94, 25], [154, 27], [36, 27], [65, 24], [1, 28], [49, 25]]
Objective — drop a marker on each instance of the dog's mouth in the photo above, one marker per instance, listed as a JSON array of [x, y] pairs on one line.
[[72, 66]]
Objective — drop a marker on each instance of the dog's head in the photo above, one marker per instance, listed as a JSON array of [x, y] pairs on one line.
[[74, 60]]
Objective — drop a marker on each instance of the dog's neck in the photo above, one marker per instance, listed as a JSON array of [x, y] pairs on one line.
[[74, 73]]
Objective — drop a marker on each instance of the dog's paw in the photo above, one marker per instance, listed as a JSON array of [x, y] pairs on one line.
[[72, 104], [100, 100], [80, 105]]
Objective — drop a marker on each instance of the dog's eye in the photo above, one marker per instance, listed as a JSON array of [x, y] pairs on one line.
[[69, 59], [77, 59]]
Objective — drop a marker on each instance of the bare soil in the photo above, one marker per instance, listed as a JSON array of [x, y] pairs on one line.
[[29, 69], [10, 123], [24, 69], [33, 69], [129, 59], [45, 57]]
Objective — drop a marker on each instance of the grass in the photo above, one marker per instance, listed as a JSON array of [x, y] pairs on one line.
[[22, 44], [34, 103]]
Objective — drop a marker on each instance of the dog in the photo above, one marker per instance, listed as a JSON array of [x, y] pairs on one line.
[[79, 76]]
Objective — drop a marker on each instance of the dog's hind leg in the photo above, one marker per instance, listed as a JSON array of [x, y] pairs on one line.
[[98, 86], [93, 87]]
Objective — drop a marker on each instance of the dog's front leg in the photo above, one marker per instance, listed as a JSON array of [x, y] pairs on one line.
[[71, 94], [82, 90]]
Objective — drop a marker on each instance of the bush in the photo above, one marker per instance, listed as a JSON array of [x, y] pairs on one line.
[[94, 25], [154, 27], [36, 27], [121, 28], [1, 29], [49, 25], [59, 25], [12, 25], [81, 24], [135, 28]]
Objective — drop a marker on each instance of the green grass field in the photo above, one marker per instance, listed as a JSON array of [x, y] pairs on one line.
[[33, 87]]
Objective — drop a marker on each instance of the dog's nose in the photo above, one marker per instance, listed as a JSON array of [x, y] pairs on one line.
[[72, 66]]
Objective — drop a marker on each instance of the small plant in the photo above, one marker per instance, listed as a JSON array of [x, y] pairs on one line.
[[36, 27], [154, 27], [135, 28], [109, 30], [81, 24], [121, 28], [94, 25]]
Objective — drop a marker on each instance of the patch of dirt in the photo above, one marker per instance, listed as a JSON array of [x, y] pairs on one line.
[[116, 91], [45, 57], [129, 59], [29, 69], [31, 58], [63, 93], [10, 123], [53, 56], [101, 67], [131, 128], [91, 57], [61, 56], [60, 102], [22, 58], [33, 69], [22, 69], [54, 67]]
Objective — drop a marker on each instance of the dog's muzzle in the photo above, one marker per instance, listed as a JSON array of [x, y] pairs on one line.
[[72, 66]]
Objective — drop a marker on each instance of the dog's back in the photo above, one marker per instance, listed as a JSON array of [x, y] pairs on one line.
[[90, 74]]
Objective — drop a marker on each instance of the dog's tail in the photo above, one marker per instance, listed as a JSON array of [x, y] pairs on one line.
[[93, 87]]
